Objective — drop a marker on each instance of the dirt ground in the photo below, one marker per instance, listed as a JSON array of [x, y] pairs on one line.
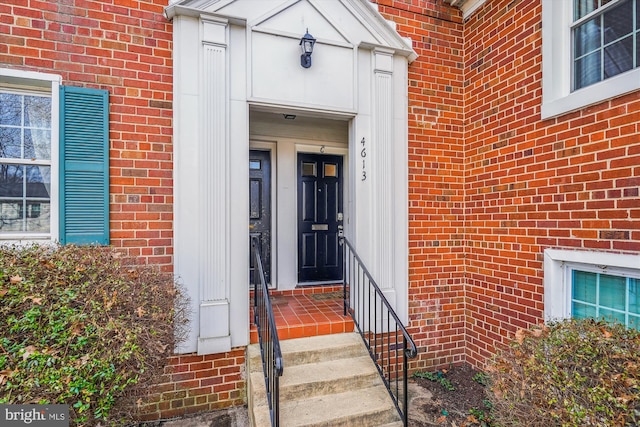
[[434, 405]]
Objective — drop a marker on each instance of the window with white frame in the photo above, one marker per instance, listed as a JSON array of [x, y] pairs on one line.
[[585, 284], [591, 52], [54, 160], [606, 39], [25, 162]]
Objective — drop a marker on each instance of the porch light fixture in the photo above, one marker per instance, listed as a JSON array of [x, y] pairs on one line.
[[306, 44]]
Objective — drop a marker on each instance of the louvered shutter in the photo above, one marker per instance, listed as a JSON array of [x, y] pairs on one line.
[[84, 166]]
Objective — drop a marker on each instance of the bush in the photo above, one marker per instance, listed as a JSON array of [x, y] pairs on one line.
[[82, 326], [571, 373]]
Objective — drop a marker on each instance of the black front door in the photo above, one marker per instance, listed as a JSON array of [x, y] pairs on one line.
[[319, 218], [260, 206]]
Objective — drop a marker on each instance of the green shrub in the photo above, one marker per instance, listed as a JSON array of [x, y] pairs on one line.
[[84, 326], [571, 373]]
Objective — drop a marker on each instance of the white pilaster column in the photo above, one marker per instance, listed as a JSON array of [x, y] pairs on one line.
[[383, 176], [213, 202]]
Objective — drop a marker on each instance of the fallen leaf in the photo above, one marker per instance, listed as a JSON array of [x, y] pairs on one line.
[[77, 328], [442, 419], [28, 351], [625, 398], [140, 311], [606, 333], [84, 359], [3, 292], [4, 375], [36, 300], [15, 279], [520, 336]]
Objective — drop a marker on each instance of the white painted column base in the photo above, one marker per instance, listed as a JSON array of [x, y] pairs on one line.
[[214, 319]]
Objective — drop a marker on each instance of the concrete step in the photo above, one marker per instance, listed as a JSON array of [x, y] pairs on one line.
[[331, 376], [358, 408], [299, 351], [328, 380]]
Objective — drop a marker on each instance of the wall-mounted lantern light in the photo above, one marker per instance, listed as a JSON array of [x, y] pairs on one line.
[[306, 44]]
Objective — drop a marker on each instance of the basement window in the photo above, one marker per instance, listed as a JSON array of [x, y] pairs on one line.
[[599, 285], [611, 297]]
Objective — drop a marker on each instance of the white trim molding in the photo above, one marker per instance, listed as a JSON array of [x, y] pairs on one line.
[[466, 6], [50, 84]]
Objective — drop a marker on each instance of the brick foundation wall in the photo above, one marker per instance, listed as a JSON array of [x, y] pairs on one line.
[[123, 46], [195, 383]]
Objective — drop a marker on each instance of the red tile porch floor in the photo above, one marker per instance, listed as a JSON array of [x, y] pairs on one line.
[[306, 312]]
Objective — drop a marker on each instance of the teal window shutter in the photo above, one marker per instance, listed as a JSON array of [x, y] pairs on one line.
[[84, 166]]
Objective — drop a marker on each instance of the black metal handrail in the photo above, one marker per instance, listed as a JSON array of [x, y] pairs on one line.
[[272, 364], [386, 338]]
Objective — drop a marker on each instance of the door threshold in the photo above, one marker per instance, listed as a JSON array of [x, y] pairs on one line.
[[320, 283]]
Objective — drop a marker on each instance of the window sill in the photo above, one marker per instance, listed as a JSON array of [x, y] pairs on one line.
[[590, 95]]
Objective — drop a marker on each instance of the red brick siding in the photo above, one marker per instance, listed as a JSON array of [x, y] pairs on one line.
[[123, 46], [491, 184], [195, 383], [436, 178], [532, 184]]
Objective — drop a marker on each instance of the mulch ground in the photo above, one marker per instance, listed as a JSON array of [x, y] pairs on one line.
[[462, 407]]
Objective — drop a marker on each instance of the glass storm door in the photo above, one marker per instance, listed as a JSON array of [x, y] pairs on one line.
[[260, 207], [320, 217]]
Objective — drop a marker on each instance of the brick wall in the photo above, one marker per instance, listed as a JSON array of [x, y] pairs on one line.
[[532, 184], [492, 185], [123, 46], [195, 383], [436, 178]]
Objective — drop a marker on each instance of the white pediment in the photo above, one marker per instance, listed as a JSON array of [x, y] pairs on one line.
[[354, 22], [297, 18]]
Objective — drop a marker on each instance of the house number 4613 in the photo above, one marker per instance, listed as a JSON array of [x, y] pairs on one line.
[[363, 154]]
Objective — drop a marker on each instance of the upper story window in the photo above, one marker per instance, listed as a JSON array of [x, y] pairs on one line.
[[606, 35], [25, 162], [590, 52]]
